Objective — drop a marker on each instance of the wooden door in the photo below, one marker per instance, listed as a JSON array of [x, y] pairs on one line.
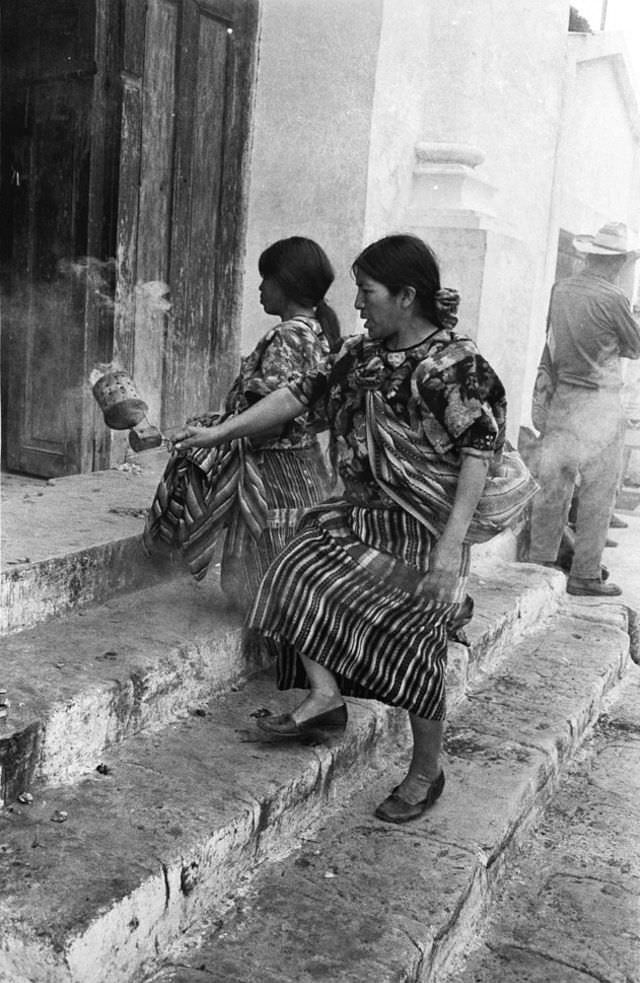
[[186, 103], [123, 151], [58, 224]]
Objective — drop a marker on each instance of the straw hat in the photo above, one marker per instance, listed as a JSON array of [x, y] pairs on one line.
[[611, 240]]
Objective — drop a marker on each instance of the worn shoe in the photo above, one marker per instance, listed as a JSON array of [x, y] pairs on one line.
[[617, 523], [591, 587], [286, 728], [395, 809]]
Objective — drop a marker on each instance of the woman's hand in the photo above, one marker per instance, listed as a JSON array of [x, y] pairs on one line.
[[440, 583], [446, 557], [197, 437]]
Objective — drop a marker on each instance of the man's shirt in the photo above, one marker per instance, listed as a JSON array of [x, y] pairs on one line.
[[591, 328]]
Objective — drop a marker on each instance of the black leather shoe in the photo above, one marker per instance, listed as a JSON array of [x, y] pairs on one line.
[[395, 809], [617, 523], [588, 587], [285, 727]]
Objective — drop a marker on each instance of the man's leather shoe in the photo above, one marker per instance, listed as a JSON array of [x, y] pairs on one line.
[[617, 523], [395, 809], [591, 587], [285, 727]]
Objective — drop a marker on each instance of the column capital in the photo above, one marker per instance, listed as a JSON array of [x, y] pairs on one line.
[[446, 189], [428, 153]]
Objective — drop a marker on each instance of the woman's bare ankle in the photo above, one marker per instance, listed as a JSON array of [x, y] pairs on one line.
[[315, 704]]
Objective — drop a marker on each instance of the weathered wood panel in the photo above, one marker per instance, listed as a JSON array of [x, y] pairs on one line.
[[57, 277], [213, 106], [154, 226], [124, 143]]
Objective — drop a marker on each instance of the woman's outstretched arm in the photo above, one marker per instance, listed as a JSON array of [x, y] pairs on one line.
[[273, 411]]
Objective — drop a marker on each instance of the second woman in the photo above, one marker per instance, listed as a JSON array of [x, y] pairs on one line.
[[256, 489]]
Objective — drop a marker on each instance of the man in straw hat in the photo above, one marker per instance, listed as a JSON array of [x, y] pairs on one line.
[[590, 329]]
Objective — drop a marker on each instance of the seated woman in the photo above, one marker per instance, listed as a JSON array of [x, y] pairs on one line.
[[256, 490], [360, 601]]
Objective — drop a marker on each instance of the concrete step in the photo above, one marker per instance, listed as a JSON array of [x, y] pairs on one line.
[[166, 839], [81, 683], [173, 819], [569, 908], [359, 900], [91, 679], [70, 542]]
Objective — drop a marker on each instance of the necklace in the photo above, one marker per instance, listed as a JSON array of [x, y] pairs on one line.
[[417, 344]]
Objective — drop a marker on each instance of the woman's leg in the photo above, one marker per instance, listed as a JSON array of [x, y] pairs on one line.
[[323, 693], [323, 701], [425, 780], [425, 760]]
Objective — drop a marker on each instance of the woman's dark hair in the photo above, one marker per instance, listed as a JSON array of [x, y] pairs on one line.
[[399, 261], [302, 269]]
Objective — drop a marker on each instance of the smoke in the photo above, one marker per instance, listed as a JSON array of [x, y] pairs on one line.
[[98, 275], [152, 297]]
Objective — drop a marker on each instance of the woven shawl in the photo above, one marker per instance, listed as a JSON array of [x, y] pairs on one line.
[[203, 492], [424, 482]]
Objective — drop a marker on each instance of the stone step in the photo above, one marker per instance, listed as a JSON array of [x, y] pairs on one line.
[[91, 679], [569, 908], [167, 838], [172, 819], [74, 541], [81, 683], [360, 900]]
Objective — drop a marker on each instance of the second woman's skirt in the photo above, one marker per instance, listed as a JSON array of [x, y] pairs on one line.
[[343, 593], [294, 480]]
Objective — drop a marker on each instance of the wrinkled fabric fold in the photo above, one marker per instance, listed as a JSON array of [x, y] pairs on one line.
[[424, 482], [200, 494]]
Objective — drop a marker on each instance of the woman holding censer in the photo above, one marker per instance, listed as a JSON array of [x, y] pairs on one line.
[[361, 600]]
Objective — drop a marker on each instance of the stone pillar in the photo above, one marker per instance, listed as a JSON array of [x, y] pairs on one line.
[[452, 208]]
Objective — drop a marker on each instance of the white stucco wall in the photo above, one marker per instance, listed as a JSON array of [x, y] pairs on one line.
[[346, 90], [397, 116], [495, 84], [310, 145], [600, 179], [598, 162]]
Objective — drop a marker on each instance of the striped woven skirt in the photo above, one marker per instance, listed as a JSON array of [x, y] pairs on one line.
[[343, 593], [181, 516], [294, 481]]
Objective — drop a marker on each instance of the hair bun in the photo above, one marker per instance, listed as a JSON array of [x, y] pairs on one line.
[[447, 301]]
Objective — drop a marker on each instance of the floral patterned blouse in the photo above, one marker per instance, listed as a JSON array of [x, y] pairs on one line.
[[442, 390], [290, 349]]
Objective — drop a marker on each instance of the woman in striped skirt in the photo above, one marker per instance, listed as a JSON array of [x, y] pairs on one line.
[[360, 602], [256, 490]]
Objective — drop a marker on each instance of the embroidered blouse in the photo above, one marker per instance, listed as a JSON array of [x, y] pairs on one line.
[[441, 391], [289, 350]]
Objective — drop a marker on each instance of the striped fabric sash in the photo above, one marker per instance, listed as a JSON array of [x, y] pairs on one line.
[[202, 492], [234, 483], [424, 483]]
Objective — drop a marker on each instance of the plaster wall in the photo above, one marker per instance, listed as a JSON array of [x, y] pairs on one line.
[[402, 79], [599, 161], [495, 85], [315, 90], [598, 170]]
